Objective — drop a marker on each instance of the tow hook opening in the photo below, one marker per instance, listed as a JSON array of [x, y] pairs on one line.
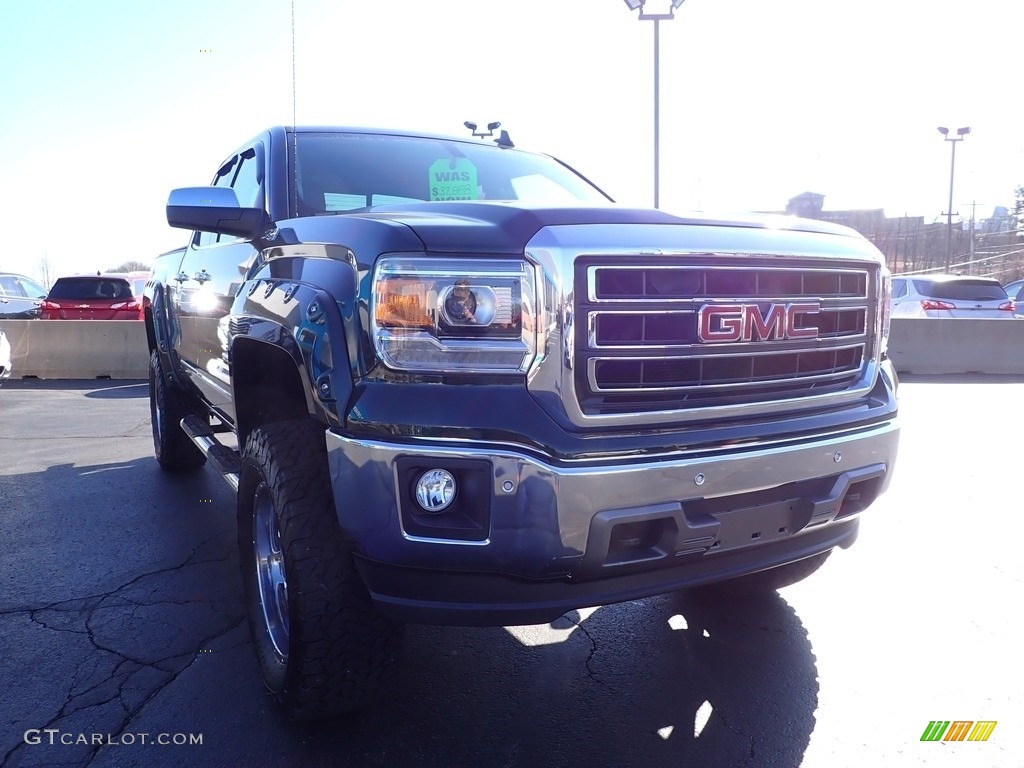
[[859, 496], [628, 540], [852, 492], [622, 539]]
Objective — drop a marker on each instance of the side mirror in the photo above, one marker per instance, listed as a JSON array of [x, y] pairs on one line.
[[214, 209]]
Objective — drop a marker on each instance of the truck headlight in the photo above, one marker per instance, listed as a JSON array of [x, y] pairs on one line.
[[452, 315]]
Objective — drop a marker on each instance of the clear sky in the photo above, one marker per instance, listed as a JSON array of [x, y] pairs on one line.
[[109, 104]]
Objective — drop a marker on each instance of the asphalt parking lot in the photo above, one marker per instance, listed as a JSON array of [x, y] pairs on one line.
[[121, 624]]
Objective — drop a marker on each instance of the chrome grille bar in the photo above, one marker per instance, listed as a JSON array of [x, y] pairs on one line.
[[676, 328], [743, 369], [727, 282]]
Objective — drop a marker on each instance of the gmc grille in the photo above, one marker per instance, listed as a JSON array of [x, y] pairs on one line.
[[638, 344]]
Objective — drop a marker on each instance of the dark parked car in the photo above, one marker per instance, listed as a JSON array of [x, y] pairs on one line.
[[92, 297], [20, 296]]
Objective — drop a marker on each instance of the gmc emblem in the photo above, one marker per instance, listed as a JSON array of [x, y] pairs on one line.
[[744, 322]]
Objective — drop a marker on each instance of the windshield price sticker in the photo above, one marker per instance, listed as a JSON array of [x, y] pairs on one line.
[[453, 180]]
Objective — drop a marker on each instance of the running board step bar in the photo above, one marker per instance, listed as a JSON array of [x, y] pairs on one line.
[[225, 460]]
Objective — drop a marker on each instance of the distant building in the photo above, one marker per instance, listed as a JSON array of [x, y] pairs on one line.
[[906, 241], [808, 205], [999, 221], [989, 247]]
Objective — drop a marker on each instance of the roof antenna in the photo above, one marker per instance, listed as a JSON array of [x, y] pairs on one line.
[[503, 140], [293, 195], [293, 65]]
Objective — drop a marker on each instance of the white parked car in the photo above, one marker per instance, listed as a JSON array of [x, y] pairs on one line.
[[950, 296], [5, 357]]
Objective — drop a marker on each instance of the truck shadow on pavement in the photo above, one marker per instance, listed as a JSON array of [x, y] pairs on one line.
[[98, 389], [667, 681], [131, 621]]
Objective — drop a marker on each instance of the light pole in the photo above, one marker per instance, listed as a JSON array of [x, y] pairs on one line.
[[960, 133], [668, 14]]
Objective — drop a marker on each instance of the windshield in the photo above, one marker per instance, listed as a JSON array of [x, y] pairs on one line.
[[349, 171], [964, 290], [86, 288]]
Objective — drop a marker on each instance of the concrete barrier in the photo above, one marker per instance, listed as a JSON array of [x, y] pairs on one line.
[[77, 349], [938, 346], [88, 349]]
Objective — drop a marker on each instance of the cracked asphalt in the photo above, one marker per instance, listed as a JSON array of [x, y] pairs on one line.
[[121, 623]]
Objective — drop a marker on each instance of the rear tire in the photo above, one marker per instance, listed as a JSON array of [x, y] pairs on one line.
[[321, 646], [764, 582], [168, 405]]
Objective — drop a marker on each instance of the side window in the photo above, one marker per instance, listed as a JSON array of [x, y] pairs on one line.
[[246, 184], [247, 181], [9, 286], [31, 288], [223, 179], [899, 288]]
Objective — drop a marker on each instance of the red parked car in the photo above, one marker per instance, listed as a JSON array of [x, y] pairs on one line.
[[92, 297]]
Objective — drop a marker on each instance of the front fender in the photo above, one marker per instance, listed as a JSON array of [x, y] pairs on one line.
[[287, 339], [163, 333]]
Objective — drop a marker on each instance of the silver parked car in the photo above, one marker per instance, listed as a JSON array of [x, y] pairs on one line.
[[950, 296]]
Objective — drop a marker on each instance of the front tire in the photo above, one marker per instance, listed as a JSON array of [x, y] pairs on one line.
[[168, 405], [321, 646]]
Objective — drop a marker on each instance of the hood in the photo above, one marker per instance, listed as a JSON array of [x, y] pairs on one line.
[[506, 227]]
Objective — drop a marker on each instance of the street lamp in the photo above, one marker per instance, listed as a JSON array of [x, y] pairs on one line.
[[666, 15], [960, 133]]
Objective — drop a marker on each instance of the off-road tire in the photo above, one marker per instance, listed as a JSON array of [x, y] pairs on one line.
[[764, 582], [168, 405], [339, 651]]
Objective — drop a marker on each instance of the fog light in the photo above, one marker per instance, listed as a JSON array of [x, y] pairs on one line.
[[435, 490]]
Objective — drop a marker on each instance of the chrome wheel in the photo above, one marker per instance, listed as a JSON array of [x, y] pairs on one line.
[[270, 571], [158, 419]]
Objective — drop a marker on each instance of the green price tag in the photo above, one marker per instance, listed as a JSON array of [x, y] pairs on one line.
[[453, 179]]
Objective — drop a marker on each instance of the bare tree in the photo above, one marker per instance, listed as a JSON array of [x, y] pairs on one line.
[[131, 266], [1017, 217], [44, 270]]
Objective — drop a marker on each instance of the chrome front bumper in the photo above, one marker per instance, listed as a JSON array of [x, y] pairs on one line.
[[618, 522]]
